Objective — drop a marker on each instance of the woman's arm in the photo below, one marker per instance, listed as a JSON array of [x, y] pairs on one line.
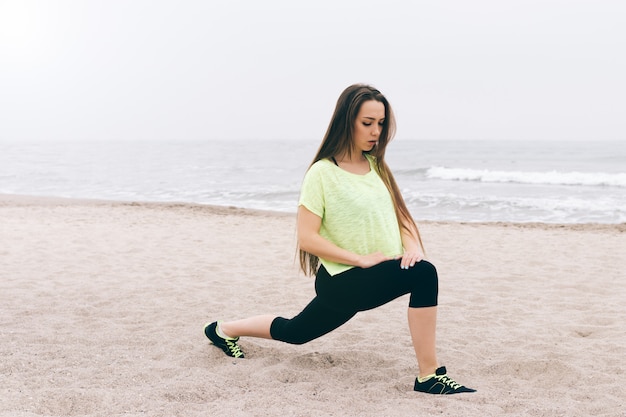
[[413, 251], [310, 240]]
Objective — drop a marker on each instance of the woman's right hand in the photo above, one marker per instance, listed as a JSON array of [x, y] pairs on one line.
[[367, 261]]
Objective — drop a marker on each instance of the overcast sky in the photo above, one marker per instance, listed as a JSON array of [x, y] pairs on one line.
[[249, 69]]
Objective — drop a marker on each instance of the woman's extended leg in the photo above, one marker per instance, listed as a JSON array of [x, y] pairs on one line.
[[315, 320]]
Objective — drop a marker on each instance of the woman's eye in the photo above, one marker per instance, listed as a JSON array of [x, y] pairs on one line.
[[366, 124]]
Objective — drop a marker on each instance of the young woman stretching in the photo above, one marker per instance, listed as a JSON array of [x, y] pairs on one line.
[[356, 235]]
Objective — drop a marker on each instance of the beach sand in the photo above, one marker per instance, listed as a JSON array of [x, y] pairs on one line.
[[103, 305]]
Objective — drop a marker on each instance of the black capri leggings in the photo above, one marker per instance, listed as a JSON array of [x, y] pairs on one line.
[[341, 296]]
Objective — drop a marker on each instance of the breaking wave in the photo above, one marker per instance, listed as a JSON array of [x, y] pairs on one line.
[[598, 179]]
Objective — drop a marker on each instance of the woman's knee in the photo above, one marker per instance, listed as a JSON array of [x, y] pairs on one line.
[[425, 285], [282, 329], [426, 270]]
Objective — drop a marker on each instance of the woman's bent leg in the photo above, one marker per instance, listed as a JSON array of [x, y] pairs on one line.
[[422, 324], [364, 289]]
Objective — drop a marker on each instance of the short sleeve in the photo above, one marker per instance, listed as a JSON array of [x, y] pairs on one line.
[[312, 191]]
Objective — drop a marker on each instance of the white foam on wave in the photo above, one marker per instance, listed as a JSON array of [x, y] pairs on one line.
[[522, 177]]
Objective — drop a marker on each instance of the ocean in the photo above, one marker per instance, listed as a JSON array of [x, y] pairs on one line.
[[468, 181]]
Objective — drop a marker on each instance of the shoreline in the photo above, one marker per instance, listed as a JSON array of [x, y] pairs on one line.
[[24, 200]]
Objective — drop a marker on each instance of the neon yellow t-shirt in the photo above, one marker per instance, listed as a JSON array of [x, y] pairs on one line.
[[356, 210]]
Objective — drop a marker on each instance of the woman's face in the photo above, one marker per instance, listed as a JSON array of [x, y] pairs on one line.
[[368, 125]]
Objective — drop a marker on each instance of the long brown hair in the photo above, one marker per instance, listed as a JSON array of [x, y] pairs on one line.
[[339, 140]]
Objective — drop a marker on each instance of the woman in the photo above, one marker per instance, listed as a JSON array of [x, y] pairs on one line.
[[356, 235]]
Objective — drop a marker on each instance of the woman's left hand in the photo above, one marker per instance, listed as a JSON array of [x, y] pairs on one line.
[[410, 258]]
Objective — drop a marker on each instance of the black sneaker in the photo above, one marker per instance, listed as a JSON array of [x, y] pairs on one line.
[[440, 383], [229, 346]]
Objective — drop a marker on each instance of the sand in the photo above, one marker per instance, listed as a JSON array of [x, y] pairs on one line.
[[103, 305]]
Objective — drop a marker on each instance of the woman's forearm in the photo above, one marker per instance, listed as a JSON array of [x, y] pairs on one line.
[[316, 245]]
